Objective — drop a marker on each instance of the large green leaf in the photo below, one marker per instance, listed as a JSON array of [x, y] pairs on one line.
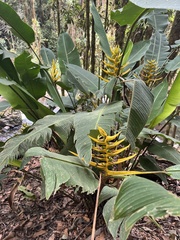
[[82, 79], [138, 51], [148, 133], [172, 101], [158, 50], [160, 95], [173, 64], [104, 117], [29, 75], [174, 171], [139, 197], [62, 124], [47, 56], [21, 99], [58, 169], [158, 18], [98, 26], [112, 225], [67, 52], [18, 145], [165, 151], [141, 104], [7, 69], [128, 15], [162, 4], [19, 28]]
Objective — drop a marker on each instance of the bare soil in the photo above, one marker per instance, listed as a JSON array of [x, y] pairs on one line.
[[66, 215]]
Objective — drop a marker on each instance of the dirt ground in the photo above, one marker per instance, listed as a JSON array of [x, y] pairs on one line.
[[65, 215]]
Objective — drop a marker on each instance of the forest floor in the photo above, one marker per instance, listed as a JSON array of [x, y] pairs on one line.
[[66, 215]]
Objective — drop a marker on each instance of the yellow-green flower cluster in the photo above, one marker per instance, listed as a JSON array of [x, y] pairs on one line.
[[150, 73], [106, 153], [54, 72], [112, 66]]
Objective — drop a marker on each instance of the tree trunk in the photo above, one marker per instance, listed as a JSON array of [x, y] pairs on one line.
[[86, 60], [120, 30]]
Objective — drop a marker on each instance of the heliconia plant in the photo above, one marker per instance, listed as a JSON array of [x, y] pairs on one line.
[[105, 131]]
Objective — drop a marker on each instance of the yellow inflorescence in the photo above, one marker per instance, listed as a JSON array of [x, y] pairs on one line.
[[106, 152], [54, 72], [112, 66], [150, 73]]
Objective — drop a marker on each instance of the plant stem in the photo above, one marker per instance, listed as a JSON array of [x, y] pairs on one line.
[[96, 208]]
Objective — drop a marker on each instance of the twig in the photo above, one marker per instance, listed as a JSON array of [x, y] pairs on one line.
[[95, 210]]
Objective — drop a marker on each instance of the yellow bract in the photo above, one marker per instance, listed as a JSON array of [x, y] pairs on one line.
[[112, 66], [54, 72], [150, 73], [106, 152]]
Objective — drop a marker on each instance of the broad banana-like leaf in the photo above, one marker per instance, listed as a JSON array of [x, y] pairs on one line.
[[138, 51], [7, 69], [158, 19], [165, 151], [148, 133], [173, 65], [108, 211], [158, 50], [19, 98], [67, 52], [141, 104], [58, 169], [41, 133], [62, 124], [139, 197], [18, 145], [47, 56], [82, 79], [172, 101], [103, 117], [29, 73], [18, 27], [98, 26], [149, 163], [128, 14], [174, 171], [162, 4], [160, 94]]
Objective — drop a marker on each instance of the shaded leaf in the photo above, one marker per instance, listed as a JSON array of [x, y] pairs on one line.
[[160, 95], [58, 169], [67, 52], [84, 80], [29, 74], [165, 151], [99, 29], [141, 103], [21, 99], [47, 56], [158, 19], [173, 64], [19, 28], [150, 164], [158, 49]]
